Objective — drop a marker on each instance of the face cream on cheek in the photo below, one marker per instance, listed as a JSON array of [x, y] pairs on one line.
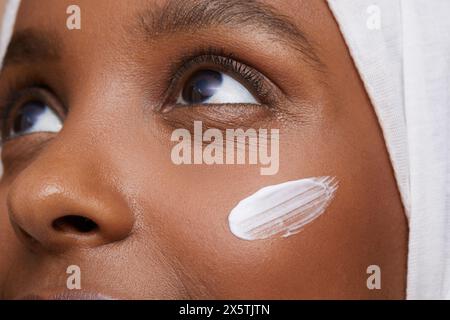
[[283, 209]]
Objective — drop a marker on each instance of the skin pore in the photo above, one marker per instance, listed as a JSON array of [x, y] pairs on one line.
[[160, 230]]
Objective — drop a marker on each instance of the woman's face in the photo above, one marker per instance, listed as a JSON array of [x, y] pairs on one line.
[[88, 174]]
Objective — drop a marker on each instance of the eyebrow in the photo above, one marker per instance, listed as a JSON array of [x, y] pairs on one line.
[[32, 46], [177, 16]]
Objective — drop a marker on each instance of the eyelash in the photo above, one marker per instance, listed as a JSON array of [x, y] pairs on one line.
[[213, 58], [17, 89]]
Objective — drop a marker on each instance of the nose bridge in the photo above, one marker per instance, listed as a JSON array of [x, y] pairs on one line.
[[67, 198]]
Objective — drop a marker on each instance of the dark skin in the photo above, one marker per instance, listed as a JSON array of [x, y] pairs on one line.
[[161, 229]]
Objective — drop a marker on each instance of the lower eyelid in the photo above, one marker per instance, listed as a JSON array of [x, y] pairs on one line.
[[23, 149], [219, 116]]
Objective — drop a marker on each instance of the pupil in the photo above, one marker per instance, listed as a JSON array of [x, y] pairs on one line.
[[28, 115], [202, 86]]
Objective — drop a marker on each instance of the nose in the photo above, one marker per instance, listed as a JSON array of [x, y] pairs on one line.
[[67, 205]]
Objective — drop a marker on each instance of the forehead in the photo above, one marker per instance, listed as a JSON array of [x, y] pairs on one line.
[[101, 15], [107, 25]]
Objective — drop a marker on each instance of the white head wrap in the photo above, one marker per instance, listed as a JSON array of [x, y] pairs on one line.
[[405, 66], [7, 24], [404, 62]]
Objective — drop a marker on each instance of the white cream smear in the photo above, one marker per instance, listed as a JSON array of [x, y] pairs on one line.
[[283, 209]]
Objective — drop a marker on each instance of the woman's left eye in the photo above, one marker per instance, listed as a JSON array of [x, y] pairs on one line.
[[214, 87]]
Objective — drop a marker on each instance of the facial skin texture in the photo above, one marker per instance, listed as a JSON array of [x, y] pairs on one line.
[[162, 229]]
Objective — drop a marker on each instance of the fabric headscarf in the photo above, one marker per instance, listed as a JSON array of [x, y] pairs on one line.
[[405, 67], [7, 25], [404, 62]]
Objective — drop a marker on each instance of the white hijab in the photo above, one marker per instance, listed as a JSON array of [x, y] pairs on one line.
[[401, 49], [404, 62]]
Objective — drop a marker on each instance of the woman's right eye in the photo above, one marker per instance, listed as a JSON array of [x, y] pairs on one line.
[[31, 117]]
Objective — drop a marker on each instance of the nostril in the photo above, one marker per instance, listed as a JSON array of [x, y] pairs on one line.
[[74, 224]]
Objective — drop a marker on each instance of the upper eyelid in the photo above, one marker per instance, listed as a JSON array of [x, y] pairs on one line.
[[215, 55], [16, 95], [220, 62]]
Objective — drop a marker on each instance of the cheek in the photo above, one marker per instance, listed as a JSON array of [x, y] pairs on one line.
[[233, 268], [185, 211], [9, 244]]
